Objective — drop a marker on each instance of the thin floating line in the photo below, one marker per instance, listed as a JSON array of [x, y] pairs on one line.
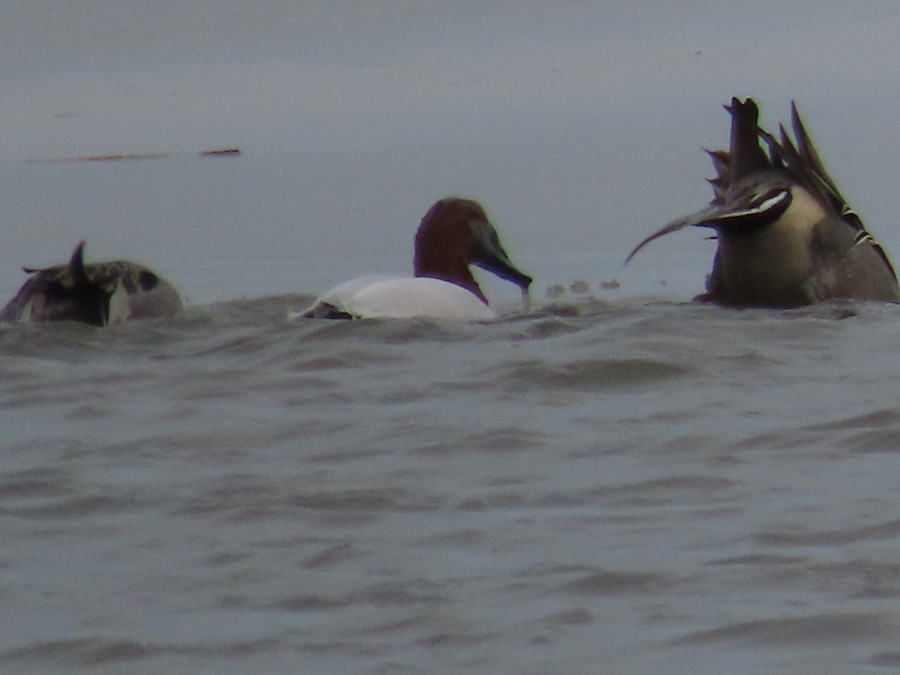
[[221, 152], [120, 157]]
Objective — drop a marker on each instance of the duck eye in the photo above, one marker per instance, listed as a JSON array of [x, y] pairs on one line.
[[148, 280], [483, 236]]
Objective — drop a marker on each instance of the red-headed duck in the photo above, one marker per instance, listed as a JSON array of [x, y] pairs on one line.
[[95, 293], [786, 236], [454, 234]]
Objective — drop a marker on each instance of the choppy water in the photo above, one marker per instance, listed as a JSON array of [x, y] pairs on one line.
[[618, 486], [625, 485]]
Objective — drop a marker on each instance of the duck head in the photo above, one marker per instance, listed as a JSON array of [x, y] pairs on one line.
[[456, 233]]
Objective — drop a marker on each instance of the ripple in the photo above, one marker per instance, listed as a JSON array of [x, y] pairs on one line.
[[35, 483], [367, 500], [99, 651], [569, 617], [618, 582], [82, 652], [885, 530], [885, 660], [77, 507], [808, 630], [593, 374]]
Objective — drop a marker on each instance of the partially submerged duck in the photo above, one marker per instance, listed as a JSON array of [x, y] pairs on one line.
[[454, 234], [95, 293], [786, 236]]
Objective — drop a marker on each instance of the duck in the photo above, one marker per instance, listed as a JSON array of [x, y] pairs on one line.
[[786, 237], [454, 234], [98, 294]]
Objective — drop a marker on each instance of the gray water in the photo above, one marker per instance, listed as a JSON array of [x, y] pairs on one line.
[[595, 487], [619, 481]]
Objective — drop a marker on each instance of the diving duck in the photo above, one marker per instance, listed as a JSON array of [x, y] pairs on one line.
[[786, 236], [453, 234], [99, 293]]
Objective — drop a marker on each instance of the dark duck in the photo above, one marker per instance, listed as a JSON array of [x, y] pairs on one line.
[[786, 236], [97, 293]]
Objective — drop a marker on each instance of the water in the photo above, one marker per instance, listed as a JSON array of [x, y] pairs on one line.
[[618, 482], [596, 487]]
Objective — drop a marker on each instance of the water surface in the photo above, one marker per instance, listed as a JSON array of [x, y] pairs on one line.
[[619, 481]]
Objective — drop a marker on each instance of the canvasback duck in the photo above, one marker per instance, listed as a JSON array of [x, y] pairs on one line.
[[98, 293], [454, 234], [786, 236]]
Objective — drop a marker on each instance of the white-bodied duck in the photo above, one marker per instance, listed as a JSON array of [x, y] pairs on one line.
[[454, 234], [98, 293], [786, 236]]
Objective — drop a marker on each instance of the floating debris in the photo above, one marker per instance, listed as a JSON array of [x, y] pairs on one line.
[[554, 291], [119, 157], [579, 286], [221, 152]]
